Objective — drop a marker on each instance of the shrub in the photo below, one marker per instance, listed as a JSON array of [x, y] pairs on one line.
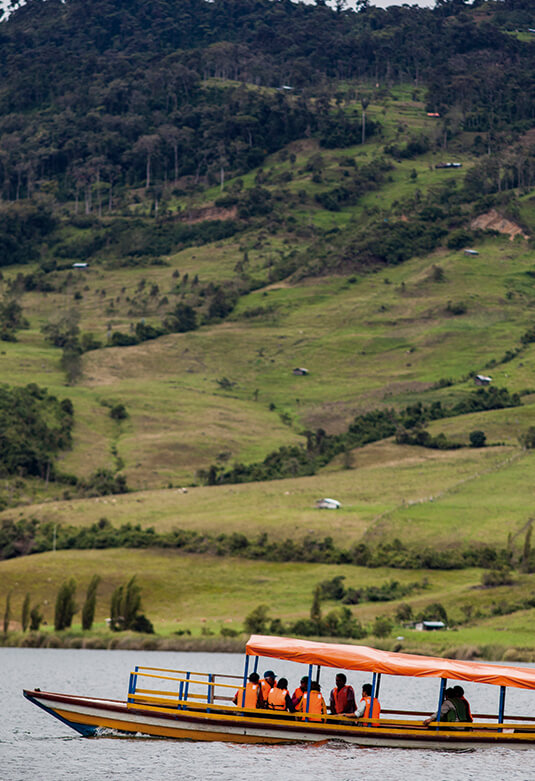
[[501, 576], [118, 412], [382, 626], [255, 622], [477, 439]]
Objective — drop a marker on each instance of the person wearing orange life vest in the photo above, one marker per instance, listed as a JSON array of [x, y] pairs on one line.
[[363, 710], [267, 683], [253, 694], [297, 696], [342, 696], [279, 697], [317, 708]]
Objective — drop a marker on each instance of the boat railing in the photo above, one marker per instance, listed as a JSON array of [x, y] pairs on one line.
[[212, 694], [182, 686]]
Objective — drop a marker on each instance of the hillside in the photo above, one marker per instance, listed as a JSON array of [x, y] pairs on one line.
[[198, 205]]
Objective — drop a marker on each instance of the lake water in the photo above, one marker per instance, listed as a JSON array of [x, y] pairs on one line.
[[36, 747]]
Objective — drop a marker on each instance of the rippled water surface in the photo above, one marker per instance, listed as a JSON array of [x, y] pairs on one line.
[[34, 746]]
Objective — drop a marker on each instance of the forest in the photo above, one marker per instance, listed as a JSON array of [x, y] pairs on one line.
[[100, 97]]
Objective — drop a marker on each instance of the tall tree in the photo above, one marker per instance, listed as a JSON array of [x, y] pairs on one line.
[[88, 610]]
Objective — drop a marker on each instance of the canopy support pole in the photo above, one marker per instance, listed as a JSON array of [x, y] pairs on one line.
[[318, 668], [309, 684], [375, 686], [245, 676], [501, 710], [256, 661], [443, 682], [378, 686]]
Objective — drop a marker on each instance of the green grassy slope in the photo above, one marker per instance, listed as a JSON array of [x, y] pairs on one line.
[[368, 340]]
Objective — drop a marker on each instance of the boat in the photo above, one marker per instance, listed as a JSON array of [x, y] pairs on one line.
[[187, 705]]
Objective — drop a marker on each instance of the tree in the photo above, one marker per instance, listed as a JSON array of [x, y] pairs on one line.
[[477, 439], [364, 102], [65, 605], [148, 145], [62, 330], [88, 610], [25, 618], [182, 319], [125, 609], [315, 609], [7, 613], [36, 618], [255, 622], [382, 626]]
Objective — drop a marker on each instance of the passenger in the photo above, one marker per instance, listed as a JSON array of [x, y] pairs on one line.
[[363, 710], [342, 696], [448, 711], [253, 694], [267, 683], [462, 706], [279, 697], [297, 696], [317, 708]]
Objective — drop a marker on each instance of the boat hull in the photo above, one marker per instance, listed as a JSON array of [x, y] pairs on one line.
[[91, 717]]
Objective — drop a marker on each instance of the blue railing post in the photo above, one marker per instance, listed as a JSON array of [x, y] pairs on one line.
[[132, 685], [309, 684], [181, 692], [443, 682], [372, 698], [186, 688], [210, 696], [501, 710], [245, 676]]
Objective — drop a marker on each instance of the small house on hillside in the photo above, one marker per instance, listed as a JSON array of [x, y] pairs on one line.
[[481, 380], [430, 626], [471, 252], [80, 265], [327, 504], [299, 372]]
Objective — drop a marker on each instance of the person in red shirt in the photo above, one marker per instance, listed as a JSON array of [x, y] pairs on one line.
[[342, 696], [297, 696]]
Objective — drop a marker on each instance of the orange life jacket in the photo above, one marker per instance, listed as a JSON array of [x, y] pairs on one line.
[[376, 710], [317, 706], [251, 696], [341, 697], [266, 688], [298, 696], [277, 698]]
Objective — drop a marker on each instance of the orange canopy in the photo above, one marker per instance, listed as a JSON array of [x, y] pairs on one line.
[[359, 657]]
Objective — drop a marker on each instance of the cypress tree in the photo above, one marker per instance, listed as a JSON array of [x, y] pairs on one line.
[[116, 616], [7, 613], [65, 605], [25, 613], [88, 610]]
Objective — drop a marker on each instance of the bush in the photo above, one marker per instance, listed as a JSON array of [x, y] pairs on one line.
[[477, 439], [255, 622], [382, 626], [497, 577], [118, 412]]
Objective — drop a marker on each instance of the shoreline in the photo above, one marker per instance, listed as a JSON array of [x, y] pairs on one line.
[[129, 641]]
